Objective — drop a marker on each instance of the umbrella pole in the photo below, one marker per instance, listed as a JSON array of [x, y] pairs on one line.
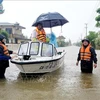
[[61, 28], [51, 30]]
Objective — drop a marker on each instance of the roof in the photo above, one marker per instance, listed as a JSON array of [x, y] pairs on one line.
[[11, 24], [61, 37]]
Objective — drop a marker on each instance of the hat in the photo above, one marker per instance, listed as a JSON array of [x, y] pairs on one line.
[[86, 40], [2, 37]]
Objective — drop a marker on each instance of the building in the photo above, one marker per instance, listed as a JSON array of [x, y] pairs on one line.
[[61, 38], [15, 32]]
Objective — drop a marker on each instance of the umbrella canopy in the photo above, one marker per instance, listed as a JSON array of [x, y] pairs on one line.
[[51, 19], [1, 1]]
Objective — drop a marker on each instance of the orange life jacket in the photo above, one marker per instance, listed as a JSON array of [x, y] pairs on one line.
[[5, 50], [85, 53], [41, 36]]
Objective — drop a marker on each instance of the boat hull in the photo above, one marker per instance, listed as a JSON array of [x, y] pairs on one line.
[[40, 66]]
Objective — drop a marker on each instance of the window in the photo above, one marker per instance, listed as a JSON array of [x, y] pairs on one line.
[[54, 51], [9, 30], [23, 49], [47, 50], [34, 48]]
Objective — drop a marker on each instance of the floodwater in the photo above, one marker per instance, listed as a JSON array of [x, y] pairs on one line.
[[67, 83]]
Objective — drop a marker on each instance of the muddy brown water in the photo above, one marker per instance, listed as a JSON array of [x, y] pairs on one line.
[[66, 83]]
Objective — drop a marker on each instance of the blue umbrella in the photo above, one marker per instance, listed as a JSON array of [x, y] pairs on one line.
[[50, 19]]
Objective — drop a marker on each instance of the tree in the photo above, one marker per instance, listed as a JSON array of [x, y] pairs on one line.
[[98, 10], [5, 34], [97, 41], [61, 43], [78, 43], [98, 18], [69, 42], [92, 36]]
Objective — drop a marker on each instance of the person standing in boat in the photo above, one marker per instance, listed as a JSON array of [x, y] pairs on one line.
[[87, 55], [4, 56], [38, 34]]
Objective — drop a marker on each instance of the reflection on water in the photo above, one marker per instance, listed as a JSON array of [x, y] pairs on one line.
[[67, 83], [86, 81]]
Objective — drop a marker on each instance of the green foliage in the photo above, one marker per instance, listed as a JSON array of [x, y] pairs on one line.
[[5, 34], [92, 36], [97, 41], [61, 44], [69, 42], [77, 44], [97, 24], [97, 18], [66, 43], [98, 10]]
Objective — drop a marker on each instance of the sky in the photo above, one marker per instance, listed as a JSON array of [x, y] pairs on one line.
[[77, 12]]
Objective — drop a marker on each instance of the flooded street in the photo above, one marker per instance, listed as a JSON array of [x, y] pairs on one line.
[[67, 83]]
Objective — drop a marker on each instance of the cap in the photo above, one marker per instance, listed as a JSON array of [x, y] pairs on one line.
[[86, 40], [2, 37]]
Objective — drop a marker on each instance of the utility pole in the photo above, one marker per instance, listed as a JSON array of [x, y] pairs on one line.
[[86, 28]]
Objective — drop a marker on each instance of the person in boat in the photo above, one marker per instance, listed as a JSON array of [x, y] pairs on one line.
[[39, 33], [87, 55], [53, 39], [4, 56]]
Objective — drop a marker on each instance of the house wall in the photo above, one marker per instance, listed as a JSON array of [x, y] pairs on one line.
[[15, 30]]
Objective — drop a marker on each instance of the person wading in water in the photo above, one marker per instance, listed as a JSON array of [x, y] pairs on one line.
[[4, 56], [87, 56]]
